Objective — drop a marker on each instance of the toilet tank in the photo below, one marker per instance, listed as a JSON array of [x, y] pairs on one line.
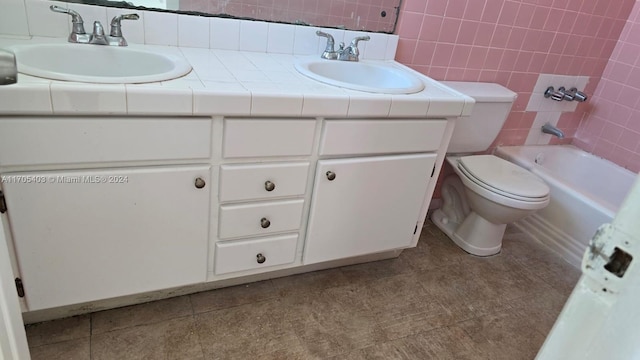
[[476, 132]]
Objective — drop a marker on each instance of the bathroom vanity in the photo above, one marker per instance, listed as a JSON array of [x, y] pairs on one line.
[[121, 194]]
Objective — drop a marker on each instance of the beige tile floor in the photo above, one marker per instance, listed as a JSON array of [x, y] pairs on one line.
[[433, 302]]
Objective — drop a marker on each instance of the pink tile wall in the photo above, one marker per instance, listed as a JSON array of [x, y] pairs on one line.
[[611, 129], [511, 43], [351, 14]]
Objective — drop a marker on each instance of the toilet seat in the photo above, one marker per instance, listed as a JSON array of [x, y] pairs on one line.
[[502, 182], [503, 177]]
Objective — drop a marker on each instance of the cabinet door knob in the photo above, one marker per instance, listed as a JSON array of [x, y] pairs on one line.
[[269, 186], [260, 258], [265, 223], [200, 183], [331, 175]]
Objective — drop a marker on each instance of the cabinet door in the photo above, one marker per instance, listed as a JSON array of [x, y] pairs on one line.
[[365, 205], [87, 235]]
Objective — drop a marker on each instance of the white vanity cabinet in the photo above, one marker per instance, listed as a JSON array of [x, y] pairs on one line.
[[262, 202], [366, 205], [370, 204], [101, 207], [94, 234]]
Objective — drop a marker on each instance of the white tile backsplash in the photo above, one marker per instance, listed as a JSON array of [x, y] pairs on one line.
[[34, 18], [254, 36], [280, 39], [224, 34], [376, 47], [193, 31], [392, 46], [44, 22], [305, 40], [13, 18], [160, 28]]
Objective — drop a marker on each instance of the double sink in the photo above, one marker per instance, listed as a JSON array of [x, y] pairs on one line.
[[118, 65]]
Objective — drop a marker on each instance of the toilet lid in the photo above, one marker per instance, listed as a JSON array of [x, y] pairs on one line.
[[503, 176]]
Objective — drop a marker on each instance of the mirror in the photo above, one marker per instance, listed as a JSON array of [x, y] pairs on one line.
[[362, 15]]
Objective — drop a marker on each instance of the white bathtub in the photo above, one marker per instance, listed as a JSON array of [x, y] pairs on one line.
[[586, 192]]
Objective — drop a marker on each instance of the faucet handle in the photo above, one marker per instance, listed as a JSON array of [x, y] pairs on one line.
[[357, 39], [578, 95], [76, 19], [116, 28], [330, 40], [329, 50], [553, 94], [567, 94]]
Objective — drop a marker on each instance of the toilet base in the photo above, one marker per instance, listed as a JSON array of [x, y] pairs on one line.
[[475, 235]]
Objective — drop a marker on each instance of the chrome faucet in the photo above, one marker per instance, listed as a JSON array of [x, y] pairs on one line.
[[98, 37], [350, 53], [115, 35], [78, 35], [329, 51], [550, 129]]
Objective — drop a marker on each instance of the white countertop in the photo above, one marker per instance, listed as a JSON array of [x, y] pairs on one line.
[[227, 83]]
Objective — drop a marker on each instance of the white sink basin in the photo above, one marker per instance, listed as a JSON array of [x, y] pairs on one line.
[[98, 64], [375, 77]]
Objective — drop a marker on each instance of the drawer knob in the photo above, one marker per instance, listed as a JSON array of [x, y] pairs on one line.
[[200, 183], [331, 175], [269, 186], [265, 223], [260, 258]]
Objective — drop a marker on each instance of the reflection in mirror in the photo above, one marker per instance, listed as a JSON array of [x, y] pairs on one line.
[[363, 15]]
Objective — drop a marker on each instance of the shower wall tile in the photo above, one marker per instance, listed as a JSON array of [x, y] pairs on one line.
[[611, 127], [517, 44], [13, 18]]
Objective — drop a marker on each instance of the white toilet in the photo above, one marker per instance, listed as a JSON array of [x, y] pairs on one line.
[[488, 192]]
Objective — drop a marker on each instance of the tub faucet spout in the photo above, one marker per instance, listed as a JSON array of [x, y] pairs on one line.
[[550, 129]]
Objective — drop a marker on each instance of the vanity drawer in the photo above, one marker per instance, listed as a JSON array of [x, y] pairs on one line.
[[36, 141], [354, 137], [234, 256], [259, 218], [267, 137], [262, 181]]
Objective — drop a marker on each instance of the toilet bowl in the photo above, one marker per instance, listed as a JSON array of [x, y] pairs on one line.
[[486, 192], [495, 193]]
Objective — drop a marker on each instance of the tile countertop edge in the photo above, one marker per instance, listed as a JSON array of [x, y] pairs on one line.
[[35, 96]]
